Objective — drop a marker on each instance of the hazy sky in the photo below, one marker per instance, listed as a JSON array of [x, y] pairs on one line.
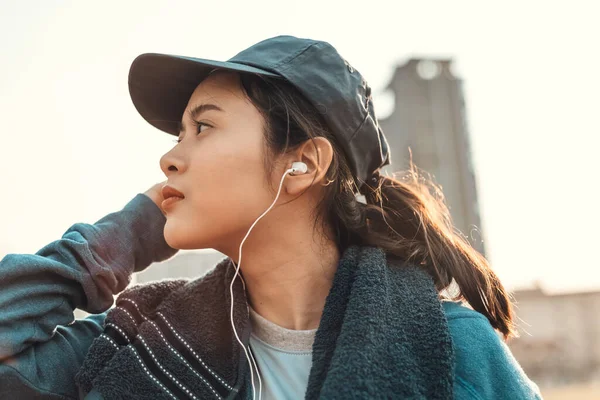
[[73, 147]]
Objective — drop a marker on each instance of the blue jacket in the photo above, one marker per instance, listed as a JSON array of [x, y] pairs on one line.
[[42, 347]]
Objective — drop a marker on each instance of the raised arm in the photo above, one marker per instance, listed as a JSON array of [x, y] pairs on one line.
[[41, 346]]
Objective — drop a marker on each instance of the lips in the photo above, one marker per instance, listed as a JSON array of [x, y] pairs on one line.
[[169, 191]]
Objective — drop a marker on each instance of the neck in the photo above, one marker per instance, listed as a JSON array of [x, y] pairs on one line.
[[288, 277]]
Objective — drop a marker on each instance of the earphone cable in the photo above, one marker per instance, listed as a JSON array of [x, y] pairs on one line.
[[231, 291]]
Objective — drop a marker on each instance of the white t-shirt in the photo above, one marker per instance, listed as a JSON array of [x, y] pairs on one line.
[[283, 357]]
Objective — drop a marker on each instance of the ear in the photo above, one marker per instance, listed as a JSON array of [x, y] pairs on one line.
[[317, 154]]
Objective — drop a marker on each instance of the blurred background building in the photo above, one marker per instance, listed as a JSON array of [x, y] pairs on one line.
[[559, 343], [429, 118]]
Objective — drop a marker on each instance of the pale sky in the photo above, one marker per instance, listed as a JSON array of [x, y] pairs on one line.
[[74, 148]]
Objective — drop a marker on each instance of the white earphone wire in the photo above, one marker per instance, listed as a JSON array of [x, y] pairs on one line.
[[257, 374], [291, 170]]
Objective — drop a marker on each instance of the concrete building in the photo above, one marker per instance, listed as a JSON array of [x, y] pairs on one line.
[[559, 341], [429, 118]]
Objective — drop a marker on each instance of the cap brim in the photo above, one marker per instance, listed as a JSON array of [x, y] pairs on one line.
[[160, 85]]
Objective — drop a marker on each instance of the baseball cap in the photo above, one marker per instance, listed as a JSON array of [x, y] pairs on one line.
[[160, 86]]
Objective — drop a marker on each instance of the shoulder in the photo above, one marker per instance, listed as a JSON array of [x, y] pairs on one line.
[[149, 295], [484, 365]]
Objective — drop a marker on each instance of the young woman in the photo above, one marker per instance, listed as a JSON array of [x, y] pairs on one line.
[[323, 293]]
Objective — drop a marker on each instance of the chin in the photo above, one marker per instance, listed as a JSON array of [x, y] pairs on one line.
[[178, 244], [173, 236], [178, 237]]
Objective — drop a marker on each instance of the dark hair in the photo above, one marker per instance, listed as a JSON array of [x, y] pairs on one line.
[[405, 215]]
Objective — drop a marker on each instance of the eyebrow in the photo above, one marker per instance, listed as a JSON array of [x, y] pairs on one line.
[[197, 110]]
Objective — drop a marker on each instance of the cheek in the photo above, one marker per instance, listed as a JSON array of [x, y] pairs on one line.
[[227, 178], [227, 194]]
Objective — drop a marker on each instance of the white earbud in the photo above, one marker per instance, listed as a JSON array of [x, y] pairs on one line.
[[299, 168]]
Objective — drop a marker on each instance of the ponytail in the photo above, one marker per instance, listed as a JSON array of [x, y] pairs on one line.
[[403, 217]]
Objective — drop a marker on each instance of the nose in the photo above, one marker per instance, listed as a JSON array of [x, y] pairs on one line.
[[171, 162]]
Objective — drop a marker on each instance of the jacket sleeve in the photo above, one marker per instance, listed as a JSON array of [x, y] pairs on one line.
[[42, 346], [485, 366]]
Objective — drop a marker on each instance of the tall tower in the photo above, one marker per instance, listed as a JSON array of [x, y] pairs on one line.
[[429, 117]]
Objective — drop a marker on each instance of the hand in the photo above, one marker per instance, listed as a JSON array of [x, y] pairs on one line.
[[155, 194]]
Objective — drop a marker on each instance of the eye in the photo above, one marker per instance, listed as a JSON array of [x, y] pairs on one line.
[[198, 125]]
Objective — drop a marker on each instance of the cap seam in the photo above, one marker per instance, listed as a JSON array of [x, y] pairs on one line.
[[364, 121], [287, 61]]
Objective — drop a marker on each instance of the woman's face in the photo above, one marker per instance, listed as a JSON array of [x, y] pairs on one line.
[[218, 166]]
